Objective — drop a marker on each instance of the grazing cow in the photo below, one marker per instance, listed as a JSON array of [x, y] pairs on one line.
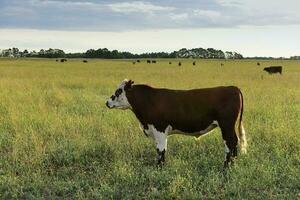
[[258, 64], [273, 69], [194, 63], [85, 61], [138, 61], [63, 60], [148, 61], [162, 112], [170, 63], [179, 64], [153, 61]]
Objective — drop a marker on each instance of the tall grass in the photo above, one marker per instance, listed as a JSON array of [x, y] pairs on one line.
[[58, 140]]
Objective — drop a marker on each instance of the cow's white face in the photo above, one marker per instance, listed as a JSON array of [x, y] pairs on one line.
[[119, 99]]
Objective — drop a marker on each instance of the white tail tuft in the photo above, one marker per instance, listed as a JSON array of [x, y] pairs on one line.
[[242, 139]]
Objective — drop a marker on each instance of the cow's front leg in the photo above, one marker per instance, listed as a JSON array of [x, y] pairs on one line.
[[161, 156], [161, 144]]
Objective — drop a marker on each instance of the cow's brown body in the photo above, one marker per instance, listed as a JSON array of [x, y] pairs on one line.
[[185, 110]]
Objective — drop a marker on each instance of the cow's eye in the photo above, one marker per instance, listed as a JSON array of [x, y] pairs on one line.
[[118, 92]]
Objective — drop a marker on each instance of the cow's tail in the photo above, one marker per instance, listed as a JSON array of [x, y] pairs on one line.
[[241, 130]]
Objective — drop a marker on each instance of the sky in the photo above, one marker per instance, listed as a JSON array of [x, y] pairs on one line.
[[250, 27]]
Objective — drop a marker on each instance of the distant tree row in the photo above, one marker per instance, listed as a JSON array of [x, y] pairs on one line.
[[295, 57], [104, 53], [207, 53], [115, 54], [15, 52]]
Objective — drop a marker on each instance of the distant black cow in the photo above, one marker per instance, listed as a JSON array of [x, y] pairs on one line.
[[56, 60], [222, 64], [85, 61], [138, 61], [153, 61], [170, 63], [194, 63], [258, 64], [273, 69], [63, 60], [179, 64], [148, 61]]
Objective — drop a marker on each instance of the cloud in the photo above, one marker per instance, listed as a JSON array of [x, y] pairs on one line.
[[123, 15], [137, 6], [179, 17], [229, 3], [211, 14], [11, 11]]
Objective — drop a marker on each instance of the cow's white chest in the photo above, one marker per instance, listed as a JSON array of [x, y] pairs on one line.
[[159, 137]]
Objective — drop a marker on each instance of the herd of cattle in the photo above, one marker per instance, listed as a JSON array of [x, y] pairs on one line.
[[270, 70], [154, 61], [65, 60]]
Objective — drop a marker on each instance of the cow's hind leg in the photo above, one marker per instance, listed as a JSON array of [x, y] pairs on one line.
[[230, 142]]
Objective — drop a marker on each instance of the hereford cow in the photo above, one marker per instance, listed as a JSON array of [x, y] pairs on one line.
[[273, 69], [162, 112]]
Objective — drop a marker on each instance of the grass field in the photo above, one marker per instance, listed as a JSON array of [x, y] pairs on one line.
[[58, 139]]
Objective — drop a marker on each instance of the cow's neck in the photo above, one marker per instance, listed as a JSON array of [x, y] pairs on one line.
[[139, 101]]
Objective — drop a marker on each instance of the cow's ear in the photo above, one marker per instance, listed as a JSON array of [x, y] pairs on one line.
[[128, 84]]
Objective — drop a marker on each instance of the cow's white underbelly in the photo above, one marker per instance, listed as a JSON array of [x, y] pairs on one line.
[[170, 131], [161, 137], [212, 126]]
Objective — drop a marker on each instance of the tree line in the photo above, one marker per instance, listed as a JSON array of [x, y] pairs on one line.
[[115, 54]]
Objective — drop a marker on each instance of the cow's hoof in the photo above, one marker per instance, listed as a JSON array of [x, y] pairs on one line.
[[160, 164]]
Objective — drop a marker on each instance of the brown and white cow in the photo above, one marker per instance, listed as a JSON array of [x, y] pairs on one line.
[[162, 112]]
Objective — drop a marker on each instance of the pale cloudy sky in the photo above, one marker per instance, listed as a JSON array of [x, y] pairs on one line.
[[251, 27]]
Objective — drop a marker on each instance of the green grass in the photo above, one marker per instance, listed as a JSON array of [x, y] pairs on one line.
[[58, 139]]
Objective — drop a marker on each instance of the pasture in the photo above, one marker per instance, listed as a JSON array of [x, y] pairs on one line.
[[58, 139]]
